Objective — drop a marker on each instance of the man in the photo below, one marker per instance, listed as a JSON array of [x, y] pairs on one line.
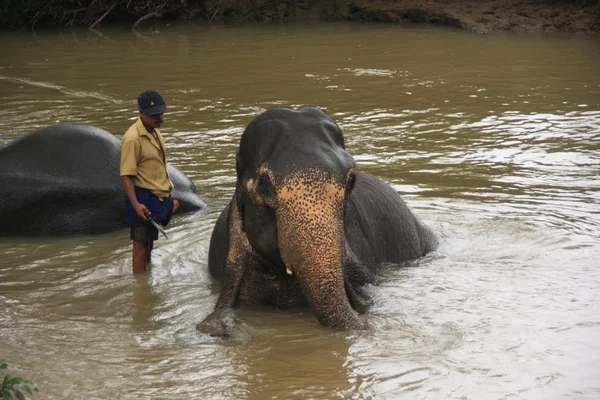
[[145, 178]]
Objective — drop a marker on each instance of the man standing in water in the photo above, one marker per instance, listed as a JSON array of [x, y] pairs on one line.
[[145, 178]]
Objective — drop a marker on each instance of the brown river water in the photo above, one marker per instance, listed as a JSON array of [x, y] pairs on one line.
[[493, 141]]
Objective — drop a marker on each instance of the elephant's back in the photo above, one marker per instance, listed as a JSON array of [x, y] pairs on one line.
[[185, 191], [64, 154], [65, 179], [61, 179]]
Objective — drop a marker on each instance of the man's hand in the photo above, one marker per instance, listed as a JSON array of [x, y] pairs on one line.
[[128, 188], [142, 211]]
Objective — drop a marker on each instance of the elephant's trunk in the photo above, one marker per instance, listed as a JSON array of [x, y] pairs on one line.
[[312, 244]]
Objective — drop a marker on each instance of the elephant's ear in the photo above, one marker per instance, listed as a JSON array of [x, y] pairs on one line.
[[238, 189]]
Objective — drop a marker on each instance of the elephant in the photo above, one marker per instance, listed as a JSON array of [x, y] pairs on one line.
[[64, 179], [305, 226]]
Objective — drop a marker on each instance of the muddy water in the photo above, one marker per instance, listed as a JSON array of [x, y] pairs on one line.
[[493, 141]]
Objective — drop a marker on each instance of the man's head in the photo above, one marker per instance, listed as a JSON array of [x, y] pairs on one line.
[[152, 107]]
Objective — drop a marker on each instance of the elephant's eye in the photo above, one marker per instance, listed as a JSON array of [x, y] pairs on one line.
[[264, 185], [350, 182]]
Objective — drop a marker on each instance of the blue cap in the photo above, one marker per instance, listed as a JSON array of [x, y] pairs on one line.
[[151, 103]]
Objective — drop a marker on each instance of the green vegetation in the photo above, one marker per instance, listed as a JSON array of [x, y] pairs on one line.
[[13, 387]]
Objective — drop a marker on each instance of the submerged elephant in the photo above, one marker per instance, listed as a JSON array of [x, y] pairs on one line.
[[305, 226], [64, 179]]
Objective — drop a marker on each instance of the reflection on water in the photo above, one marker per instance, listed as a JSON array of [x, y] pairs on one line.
[[492, 141]]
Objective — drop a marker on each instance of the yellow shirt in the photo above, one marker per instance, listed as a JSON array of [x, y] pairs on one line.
[[144, 159]]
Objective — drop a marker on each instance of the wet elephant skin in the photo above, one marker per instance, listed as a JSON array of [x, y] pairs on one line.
[[305, 226], [64, 179]]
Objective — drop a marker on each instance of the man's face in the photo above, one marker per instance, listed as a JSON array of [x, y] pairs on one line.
[[151, 121]]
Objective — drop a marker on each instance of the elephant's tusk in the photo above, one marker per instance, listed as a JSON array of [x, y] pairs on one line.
[[289, 271]]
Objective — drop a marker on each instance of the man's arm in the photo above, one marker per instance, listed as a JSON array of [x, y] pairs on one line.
[[130, 150], [129, 190]]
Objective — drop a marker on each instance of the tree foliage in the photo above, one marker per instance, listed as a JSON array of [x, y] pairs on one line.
[[66, 13], [12, 387]]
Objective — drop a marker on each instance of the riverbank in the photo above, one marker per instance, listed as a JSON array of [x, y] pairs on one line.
[[478, 16]]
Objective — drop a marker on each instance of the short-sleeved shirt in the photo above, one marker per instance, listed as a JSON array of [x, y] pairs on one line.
[[144, 159]]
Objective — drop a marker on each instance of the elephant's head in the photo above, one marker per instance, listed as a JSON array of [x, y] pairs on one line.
[[293, 178]]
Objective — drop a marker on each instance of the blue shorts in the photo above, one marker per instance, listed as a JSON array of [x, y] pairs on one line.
[[161, 211]]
